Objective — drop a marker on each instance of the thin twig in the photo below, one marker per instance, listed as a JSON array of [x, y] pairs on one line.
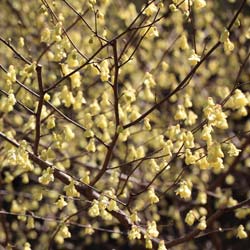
[[39, 109]]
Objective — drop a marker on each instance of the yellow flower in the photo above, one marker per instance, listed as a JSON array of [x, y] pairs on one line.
[[202, 198], [173, 7], [91, 146], [216, 117], [152, 229], [50, 122], [202, 224], [104, 68], [134, 217], [21, 42], [224, 36], [101, 121], [194, 58], [64, 232], [30, 222], [56, 35], [214, 152], [189, 157], [79, 100], [237, 101], [112, 206], [134, 233], [72, 59], [47, 176], [183, 42], [68, 133], [11, 75], [167, 147], [188, 139], [154, 167], [206, 134], [94, 209], [148, 243], [147, 124], [173, 132], [241, 233], [15, 207], [161, 245], [7, 103], [232, 150], [228, 46], [190, 218], [45, 35], [180, 113], [67, 97], [75, 80], [89, 230], [26, 246], [71, 191], [199, 4], [61, 202], [184, 190], [217, 164], [152, 196], [149, 80], [150, 10]]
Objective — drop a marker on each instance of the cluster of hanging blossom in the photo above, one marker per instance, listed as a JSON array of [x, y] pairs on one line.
[[184, 190], [47, 176], [20, 157], [224, 38]]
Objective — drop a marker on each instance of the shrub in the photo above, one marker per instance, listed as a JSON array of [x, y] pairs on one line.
[[124, 124]]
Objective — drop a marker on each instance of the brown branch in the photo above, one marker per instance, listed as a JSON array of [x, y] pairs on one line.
[[220, 230], [115, 85], [192, 17], [129, 175], [107, 159], [39, 109], [117, 120], [149, 156]]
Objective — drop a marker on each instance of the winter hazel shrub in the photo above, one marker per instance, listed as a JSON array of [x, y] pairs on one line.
[[124, 124]]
